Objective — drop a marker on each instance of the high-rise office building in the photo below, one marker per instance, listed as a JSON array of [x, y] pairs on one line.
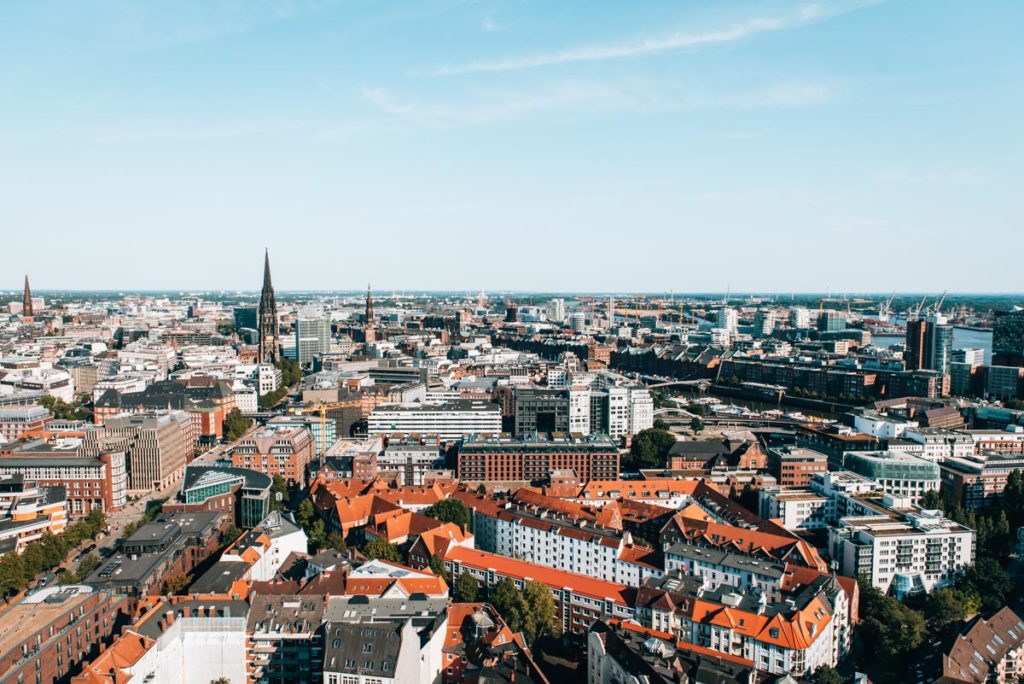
[[728, 319], [555, 310], [312, 338], [831, 321], [929, 344], [799, 317], [764, 322], [270, 340], [1008, 339]]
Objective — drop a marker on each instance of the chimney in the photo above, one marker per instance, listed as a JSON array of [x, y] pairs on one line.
[[169, 617]]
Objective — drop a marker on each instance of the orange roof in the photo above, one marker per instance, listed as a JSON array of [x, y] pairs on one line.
[[749, 541], [797, 633], [636, 489], [556, 579], [107, 668], [457, 614], [695, 512]]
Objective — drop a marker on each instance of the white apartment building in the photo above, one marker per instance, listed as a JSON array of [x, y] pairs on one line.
[[193, 649], [716, 568], [583, 549], [906, 552], [883, 427], [579, 410], [267, 546], [796, 509], [52, 381], [728, 319], [450, 421], [410, 458], [799, 317], [938, 444], [555, 310]]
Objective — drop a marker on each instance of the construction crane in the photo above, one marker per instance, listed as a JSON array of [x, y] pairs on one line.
[[938, 305], [322, 408]]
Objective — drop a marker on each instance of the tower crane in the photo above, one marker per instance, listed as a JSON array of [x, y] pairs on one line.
[[322, 408]]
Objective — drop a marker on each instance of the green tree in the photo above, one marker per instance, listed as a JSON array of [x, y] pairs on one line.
[[379, 548], [946, 607], [271, 399], [226, 328], [279, 488], [511, 603], [317, 533], [543, 613], [467, 588], [697, 409], [236, 425], [305, 513], [1013, 498], [826, 675], [697, 425], [531, 611], [231, 534], [175, 584], [333, 540], [437, 567], [451, 510], [62, 410], [888, 627], [291, 374], [648, 449], [932, 500], [988, 580], [660, 424]]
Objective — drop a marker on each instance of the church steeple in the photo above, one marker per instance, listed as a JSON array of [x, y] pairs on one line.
[[270, 341], [27, 314], [371, 327], [266, 271]]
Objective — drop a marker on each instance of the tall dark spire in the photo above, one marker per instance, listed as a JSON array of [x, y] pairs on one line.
[[266, 271], [371, 327], [270, 340], [26, 303]]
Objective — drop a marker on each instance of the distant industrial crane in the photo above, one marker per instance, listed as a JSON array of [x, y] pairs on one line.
[[322, 408]]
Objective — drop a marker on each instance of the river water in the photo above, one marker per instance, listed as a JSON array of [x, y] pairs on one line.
[[963, 338]]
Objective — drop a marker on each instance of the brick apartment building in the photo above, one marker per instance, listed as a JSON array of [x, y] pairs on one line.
[[286, 451], [498, 459], [48, 635]]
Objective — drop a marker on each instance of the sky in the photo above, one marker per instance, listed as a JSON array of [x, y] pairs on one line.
[[785, 146]]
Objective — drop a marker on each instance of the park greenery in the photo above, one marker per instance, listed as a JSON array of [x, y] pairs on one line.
[[45, 554]]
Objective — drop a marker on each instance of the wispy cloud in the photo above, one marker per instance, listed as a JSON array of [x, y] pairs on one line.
[[576, 99], [644, 46], [948, 176], [489, 24]]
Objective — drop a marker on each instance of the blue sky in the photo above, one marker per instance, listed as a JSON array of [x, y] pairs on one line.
[[513, 144]]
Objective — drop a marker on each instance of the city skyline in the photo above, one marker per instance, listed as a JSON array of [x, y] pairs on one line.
[[512, 146]]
